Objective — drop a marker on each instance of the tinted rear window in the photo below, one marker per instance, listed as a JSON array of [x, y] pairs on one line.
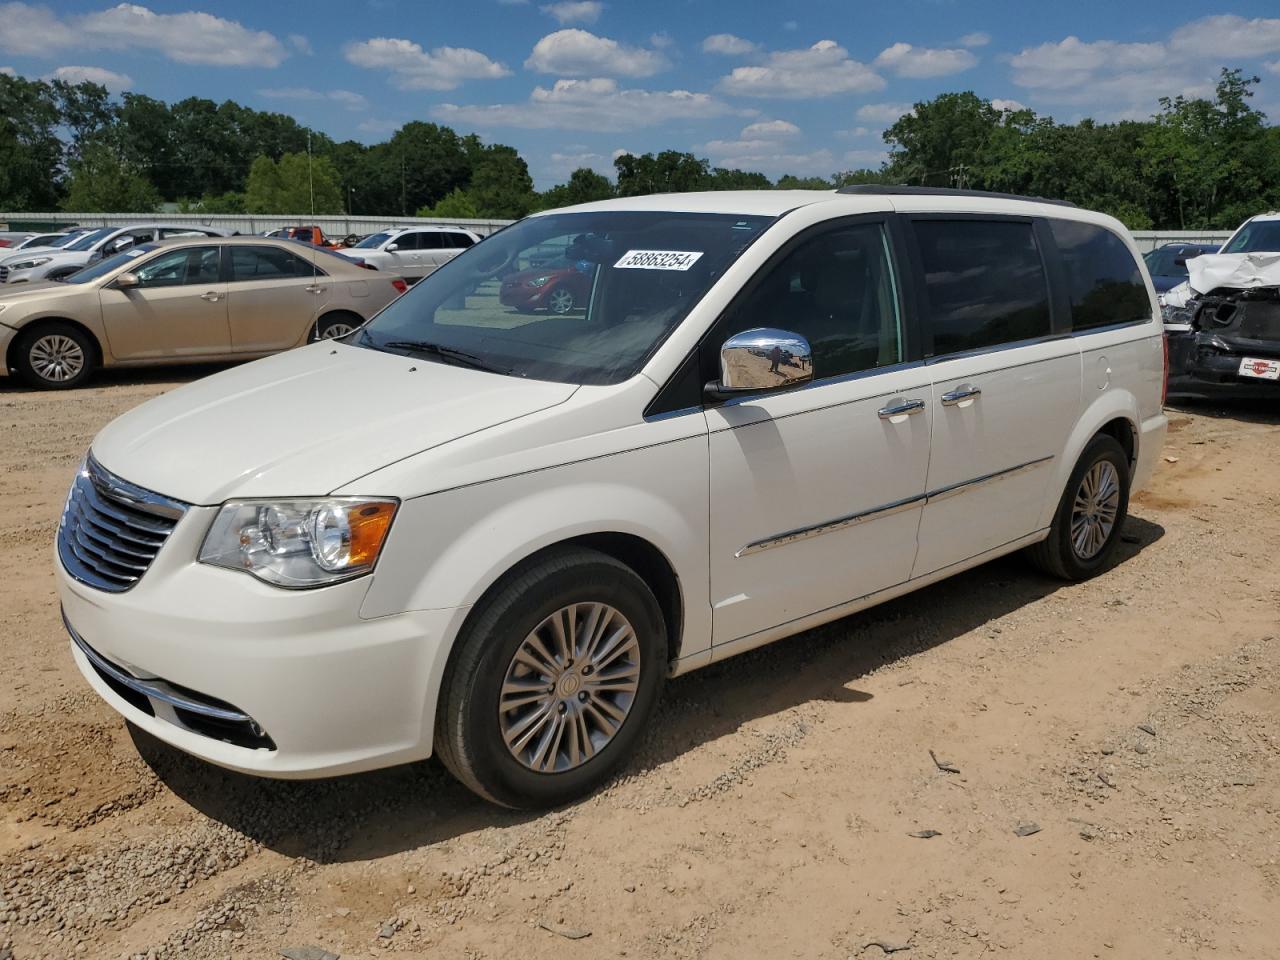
[[985, 282], [1104, 283]]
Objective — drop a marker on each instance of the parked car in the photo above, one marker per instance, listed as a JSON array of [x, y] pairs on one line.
[[60, 263], [557, 286], [1223, 323], [450, 533], [313, 235], [11, 238], [191, 300], [48, 241], [414, 252], [1167, 264]]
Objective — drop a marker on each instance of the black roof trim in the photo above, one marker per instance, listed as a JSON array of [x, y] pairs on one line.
[[902, 190]]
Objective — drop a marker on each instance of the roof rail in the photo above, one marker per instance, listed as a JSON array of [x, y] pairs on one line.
[[902, 190]]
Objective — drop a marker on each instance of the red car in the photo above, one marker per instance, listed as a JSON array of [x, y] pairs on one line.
[[558, 287]]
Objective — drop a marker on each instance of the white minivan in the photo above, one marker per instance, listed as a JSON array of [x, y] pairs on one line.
[[492, 536]]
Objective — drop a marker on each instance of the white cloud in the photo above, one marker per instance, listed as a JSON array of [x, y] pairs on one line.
[[821, 70], [1273, 66], [8, 71], [623, 152], [413, 68], [300, 43], [769, 128], [345, 98], [595, 104], [975, 39], [661, 40], [577, 53], [192, 37], [1012, 105], [1228, 36], [1113, 79], [728, 44], [885, 113], [108, 78], [765, 156], [920, 62], [574, 11]]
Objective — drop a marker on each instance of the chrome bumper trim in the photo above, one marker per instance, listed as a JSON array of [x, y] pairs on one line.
[[154, 689]]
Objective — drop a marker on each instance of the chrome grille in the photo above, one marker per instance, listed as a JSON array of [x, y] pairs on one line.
[[111, 530]]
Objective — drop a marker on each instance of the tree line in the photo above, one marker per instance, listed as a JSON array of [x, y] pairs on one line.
[[1197, 163]]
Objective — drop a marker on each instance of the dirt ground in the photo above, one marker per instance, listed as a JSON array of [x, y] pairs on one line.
[[1129, 726]]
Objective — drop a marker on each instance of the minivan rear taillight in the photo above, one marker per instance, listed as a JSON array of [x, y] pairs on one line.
[[401, 287], [1164, 390]]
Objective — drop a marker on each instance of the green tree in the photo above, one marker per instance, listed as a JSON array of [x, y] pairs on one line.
[[458, 205], [667, 172], [100, 181], [583, 186], [296, 184], [789, 182], [941, 141], [725, 179], [30, 150], [500, 184]]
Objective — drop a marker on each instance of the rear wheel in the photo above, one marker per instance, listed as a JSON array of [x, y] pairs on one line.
[[1086, 526], [552, 681], [55, 356], [333, 325]]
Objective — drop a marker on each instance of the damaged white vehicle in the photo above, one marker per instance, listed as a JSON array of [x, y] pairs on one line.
[[1223, 324]]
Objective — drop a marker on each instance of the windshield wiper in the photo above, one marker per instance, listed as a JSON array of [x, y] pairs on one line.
[[450, 354]]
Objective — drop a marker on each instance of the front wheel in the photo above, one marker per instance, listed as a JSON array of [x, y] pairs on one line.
[[1086, 526], [560, 301], [335, 325], [55, 356], [552, 681]]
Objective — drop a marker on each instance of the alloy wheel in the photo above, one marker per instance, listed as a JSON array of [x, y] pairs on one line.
[[1093, 515], [56, 358], [569, 688], [560, 301]]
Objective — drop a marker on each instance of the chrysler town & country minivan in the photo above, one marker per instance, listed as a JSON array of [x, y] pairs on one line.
[[490, 535]]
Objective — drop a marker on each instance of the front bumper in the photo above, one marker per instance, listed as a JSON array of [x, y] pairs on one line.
[[1206, 365], [324, 691]]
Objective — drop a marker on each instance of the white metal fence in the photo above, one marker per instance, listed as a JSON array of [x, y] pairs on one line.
[[246, 223], [342, 226]]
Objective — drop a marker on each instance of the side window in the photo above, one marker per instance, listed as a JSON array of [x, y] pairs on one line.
[[1103, 280], [268, 263], [457, 241], [838, 291], [407, 241], [985, 283], [430, 241], [180, 267]]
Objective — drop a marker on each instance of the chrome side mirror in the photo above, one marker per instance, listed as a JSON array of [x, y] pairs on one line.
[[761, 360], [126, 280], [392, 247]]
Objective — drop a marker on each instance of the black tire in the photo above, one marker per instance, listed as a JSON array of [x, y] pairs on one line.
[[1056, 555], [468, 736], [33, 346], [332, 324]]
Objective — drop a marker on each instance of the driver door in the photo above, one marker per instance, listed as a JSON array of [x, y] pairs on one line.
[[816, 492], [178, 308]]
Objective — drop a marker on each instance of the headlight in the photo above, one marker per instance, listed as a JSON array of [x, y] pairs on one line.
[[299, 543], [538, 281], [30, 264]]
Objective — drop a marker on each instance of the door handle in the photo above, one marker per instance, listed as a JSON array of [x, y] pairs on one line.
[[960, 395], [212, 296], [904, 409], [313, 288]]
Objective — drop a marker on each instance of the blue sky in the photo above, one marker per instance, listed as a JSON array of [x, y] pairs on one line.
[[801, 87]]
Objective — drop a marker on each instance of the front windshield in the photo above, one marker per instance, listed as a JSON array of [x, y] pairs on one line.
[[371, 241], [572, 297], [1259, 236], [89, 239], [104, 267], [63, 241]]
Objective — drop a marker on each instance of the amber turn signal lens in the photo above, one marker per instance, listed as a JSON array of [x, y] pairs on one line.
[[369, 523]]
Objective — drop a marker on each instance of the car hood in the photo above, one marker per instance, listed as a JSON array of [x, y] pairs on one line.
[[55, 255], [532, 272], [18, 293], [306, 422]]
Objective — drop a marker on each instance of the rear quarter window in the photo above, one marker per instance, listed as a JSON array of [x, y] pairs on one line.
[[1103, 281]]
